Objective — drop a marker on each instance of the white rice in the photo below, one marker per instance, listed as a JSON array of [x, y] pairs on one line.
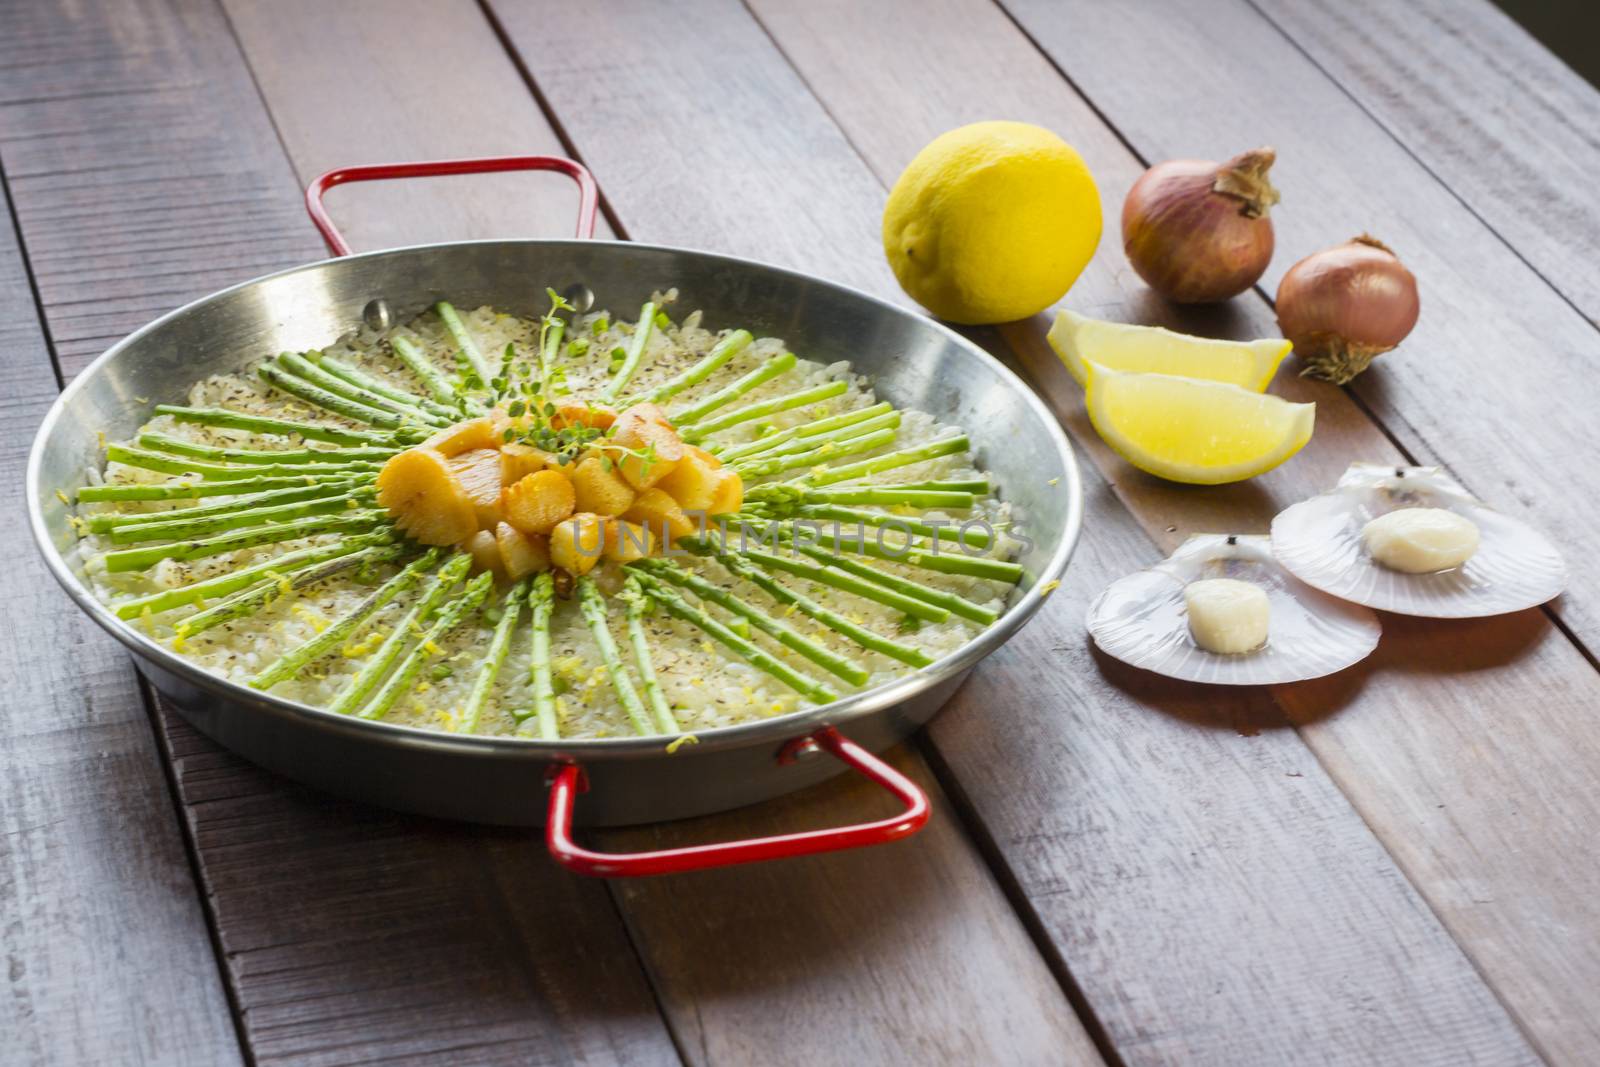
[[706, 685]]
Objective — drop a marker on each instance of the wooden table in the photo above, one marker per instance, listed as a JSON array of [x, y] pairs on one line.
[[1394, 865]]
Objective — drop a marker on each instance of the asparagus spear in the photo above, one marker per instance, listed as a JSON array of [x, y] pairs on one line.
[[239, 420], [182, 526], [137, 559], [194, 490], [889, 496], [232, 582], [758, 657], [799, 434], [762, 408], [952, 603], [160, 442], [708, 365], [155, 461], [849, 583], [975, 486], [470, 600], [493, 659], [542, 600], [761, 466], [302, 368], [419, 364], [995, 570], [636, 346], [975, 538], [373, 384], [294, 385], [639, 605], [911, 555], [813, 441], [828, 660], [356, 691], [468, 356], [291, 663], [905, 457], [593, 605], [741, 566], [104, 521], [248, 601], [772, 368]]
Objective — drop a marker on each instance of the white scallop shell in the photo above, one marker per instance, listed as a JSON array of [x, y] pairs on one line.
[[1141, 619], [1319, 541]]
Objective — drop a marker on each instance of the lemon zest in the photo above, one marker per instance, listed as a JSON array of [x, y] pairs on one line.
[[681, 740], [317, 621]]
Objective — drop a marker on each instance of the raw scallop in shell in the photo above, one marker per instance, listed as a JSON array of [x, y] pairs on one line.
[[1321, 542], [1143, 620]]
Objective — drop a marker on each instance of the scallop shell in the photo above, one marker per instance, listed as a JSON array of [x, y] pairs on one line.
[[1319, 541], [1142, 621]]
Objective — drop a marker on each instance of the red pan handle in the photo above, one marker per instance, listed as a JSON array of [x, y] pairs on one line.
[[588, 193], [567, 782]]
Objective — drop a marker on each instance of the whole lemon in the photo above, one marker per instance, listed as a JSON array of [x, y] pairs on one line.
[[992, 222]]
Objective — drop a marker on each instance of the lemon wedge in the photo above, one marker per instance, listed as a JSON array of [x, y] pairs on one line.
[[1191, 430], [1152, 350]]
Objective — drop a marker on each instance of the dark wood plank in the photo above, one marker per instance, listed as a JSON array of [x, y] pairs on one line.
[[355, 935], [143, 169], [349, 935], [106, 952], [1142, 830], [1484, 106]]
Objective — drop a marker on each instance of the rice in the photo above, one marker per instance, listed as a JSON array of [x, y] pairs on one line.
[[706, 685]]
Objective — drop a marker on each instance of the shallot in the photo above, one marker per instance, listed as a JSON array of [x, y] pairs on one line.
[[1197, 231], [1346, 305]]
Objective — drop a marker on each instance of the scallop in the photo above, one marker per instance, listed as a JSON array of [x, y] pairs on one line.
[[1413, 541], [1221, 609]]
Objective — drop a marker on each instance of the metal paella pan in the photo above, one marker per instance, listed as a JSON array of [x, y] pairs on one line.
[[911, 360]]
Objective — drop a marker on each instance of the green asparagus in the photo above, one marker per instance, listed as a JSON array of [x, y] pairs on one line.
[[291, 663], [493, 659], [708, 365], [636, 346], [355, 693], [405, 672]]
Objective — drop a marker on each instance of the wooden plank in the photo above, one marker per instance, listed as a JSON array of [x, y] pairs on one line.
[[1469, 364], [1097, 856], [348, 934], [130, 202], [359, 935], [898, 954], [1121, 960], [676, 169], [106, 952], [414, 80], [666, 917], [1504, 124], [1411, 739], [918, 987]]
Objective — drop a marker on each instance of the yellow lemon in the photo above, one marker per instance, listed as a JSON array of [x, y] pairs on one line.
[[992, 222], [1193, 430]]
